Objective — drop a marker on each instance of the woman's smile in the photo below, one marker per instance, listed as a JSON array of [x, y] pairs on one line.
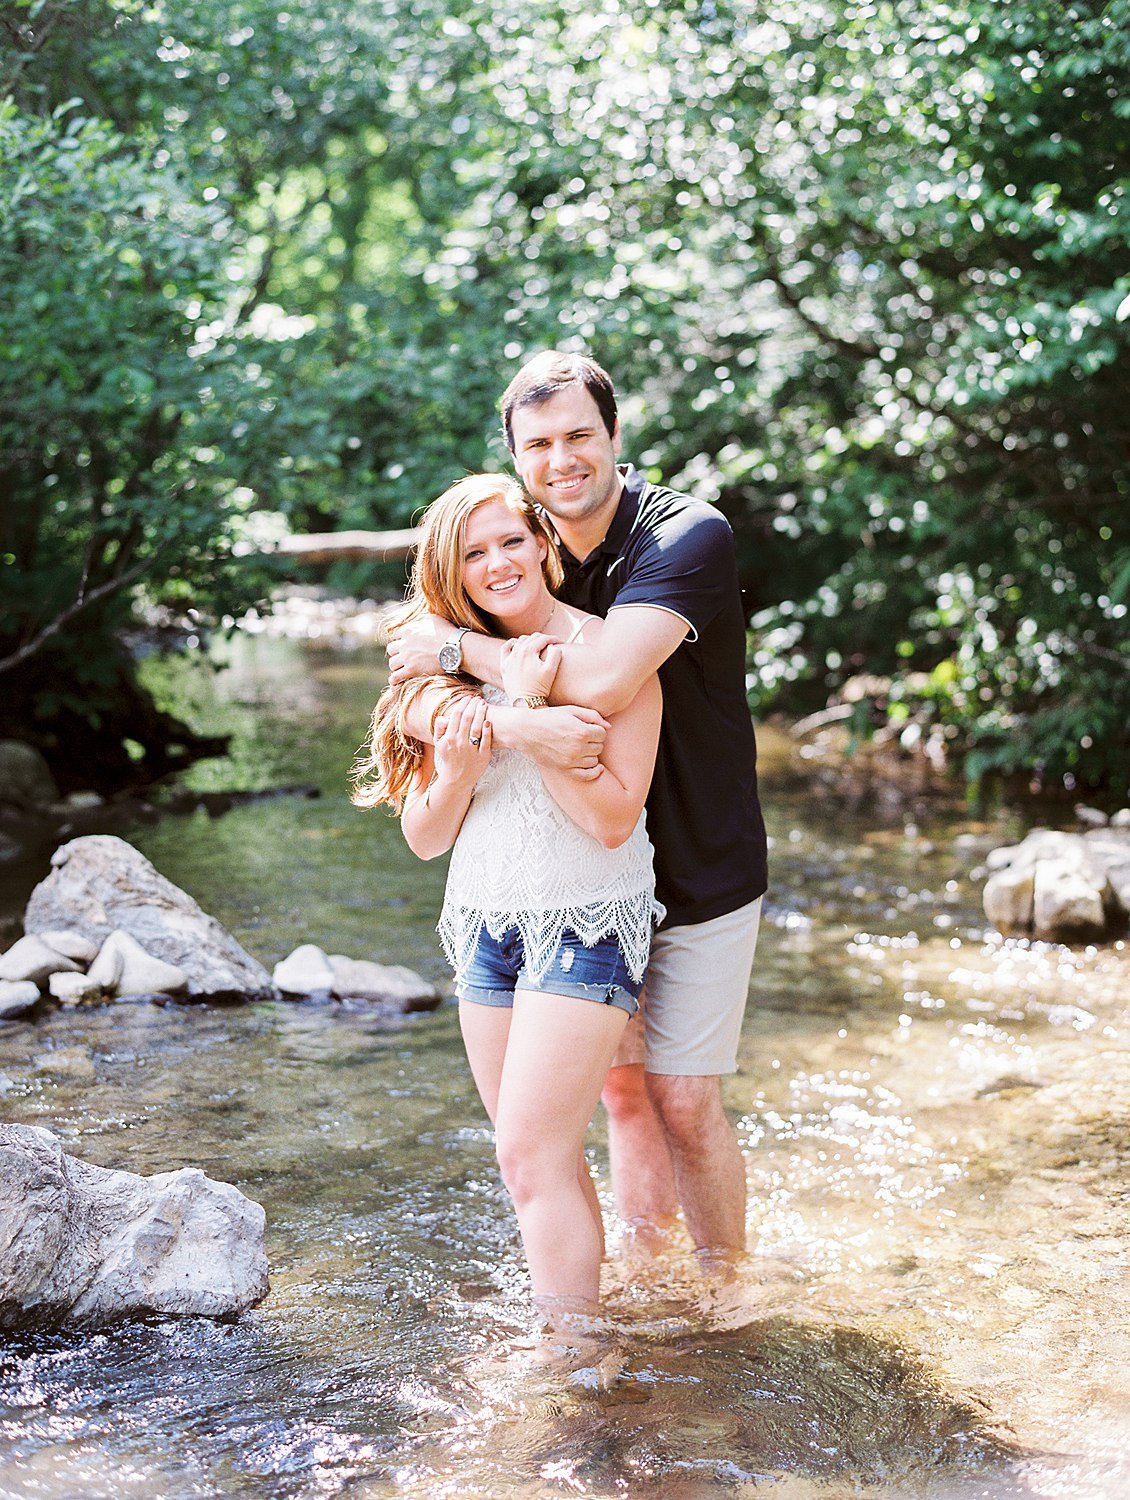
[[502, 566]]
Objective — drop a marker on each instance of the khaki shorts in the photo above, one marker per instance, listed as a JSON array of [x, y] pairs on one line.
[[695, 994]]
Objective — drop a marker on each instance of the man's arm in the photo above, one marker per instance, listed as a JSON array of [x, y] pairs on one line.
[[635, 641], [414, 651], [567, 738]]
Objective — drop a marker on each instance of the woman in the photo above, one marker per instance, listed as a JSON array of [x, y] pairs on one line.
[[550, 901]]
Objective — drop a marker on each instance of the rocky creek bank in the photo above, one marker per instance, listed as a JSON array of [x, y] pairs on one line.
[[105, 925], [86, 1245], [1063, 887]]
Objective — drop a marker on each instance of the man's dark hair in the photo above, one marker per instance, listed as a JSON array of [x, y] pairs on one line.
[[545, 376]]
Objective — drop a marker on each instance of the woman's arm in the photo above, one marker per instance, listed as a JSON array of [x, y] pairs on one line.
[[434, 810], [608, 805], [567, 737]]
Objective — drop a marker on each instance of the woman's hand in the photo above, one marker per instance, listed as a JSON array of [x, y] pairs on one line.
[[462, 742], [529, 665]]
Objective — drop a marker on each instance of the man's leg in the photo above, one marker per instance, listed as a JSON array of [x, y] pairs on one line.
[[643, 1182], [709, 1169], [698, 981]]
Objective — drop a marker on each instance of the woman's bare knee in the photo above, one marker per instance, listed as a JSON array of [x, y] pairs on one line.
[[530, 1169]]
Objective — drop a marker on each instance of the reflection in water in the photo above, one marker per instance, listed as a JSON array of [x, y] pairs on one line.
[[935, 1128]]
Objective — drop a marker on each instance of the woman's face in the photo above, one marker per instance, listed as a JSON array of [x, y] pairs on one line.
[[502, 563]]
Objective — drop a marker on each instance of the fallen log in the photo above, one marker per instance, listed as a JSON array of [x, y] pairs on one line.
[[345, 546]]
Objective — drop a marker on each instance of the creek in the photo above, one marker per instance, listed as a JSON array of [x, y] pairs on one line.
[[936, 1126]]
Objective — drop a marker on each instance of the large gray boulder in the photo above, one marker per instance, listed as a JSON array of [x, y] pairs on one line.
[[83, 1244], [99, 884]]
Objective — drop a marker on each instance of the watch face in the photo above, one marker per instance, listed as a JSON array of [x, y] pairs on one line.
[[450, 657]]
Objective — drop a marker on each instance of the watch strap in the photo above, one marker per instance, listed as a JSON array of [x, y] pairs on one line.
[[450, 654]]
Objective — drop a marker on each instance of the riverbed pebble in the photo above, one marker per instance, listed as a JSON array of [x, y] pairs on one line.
[[17, 996], [74, 989]]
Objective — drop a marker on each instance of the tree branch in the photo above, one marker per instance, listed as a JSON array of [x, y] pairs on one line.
[[83, 602]]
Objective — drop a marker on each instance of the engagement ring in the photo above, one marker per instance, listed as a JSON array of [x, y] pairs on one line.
[[475, 741]]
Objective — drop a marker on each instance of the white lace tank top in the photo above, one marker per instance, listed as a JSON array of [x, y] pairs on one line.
[[520, 861]]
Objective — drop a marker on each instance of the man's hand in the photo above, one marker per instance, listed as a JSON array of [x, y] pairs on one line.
[[413, 650], [566, 739]]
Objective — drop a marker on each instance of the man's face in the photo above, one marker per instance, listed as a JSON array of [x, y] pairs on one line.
[[565, 456]]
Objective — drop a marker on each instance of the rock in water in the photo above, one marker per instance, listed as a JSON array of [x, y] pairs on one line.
[[393, 984], [306, 971], [136, 972], [1061, 887], [99, 883], [310, 971], [82, 1244], [71, 945], [25, 778], [17, 996], [31, 958]]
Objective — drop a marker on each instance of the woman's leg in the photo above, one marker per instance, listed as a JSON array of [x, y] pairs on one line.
[[556, 1056], [588, 1188], [485, 1029]]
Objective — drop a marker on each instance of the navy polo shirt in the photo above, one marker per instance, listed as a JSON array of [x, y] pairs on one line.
[[703, 813]]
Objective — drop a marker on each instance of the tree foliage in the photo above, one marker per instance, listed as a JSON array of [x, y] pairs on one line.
[[858, 267]]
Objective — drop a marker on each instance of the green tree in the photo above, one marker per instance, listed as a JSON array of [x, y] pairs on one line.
[[859, 269]]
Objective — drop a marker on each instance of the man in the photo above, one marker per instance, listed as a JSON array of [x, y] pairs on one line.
[[660, 566]]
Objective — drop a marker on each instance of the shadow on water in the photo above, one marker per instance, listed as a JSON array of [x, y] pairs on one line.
[[775, 1404]]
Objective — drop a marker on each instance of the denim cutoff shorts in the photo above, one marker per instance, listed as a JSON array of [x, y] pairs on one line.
[[498, 967]]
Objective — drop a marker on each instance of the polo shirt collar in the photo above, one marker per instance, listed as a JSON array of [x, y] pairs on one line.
[[622, 522]]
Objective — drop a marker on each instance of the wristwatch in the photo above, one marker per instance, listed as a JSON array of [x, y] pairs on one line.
[[450, 654], [531, 700]]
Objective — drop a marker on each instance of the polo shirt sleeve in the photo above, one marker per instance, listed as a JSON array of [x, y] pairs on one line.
[[685, 565]]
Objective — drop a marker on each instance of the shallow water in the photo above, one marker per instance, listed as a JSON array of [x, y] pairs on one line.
[[936, 1132]]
